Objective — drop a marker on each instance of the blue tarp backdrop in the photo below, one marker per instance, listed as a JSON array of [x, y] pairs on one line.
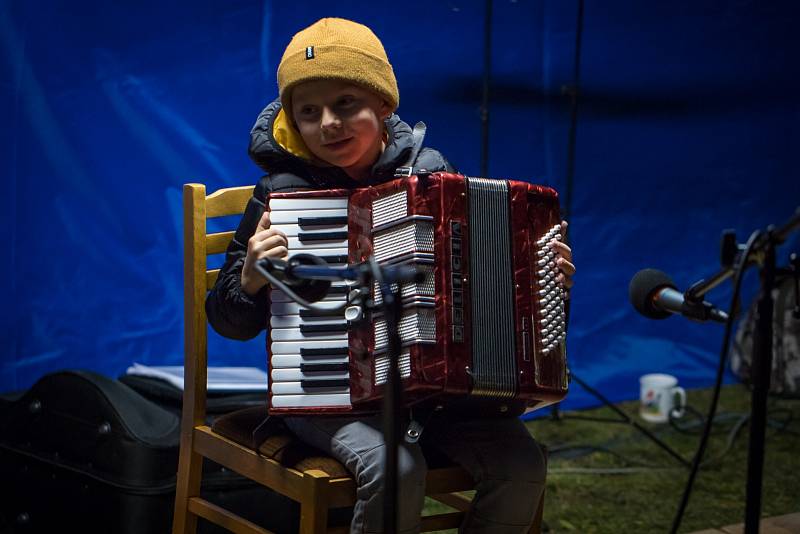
[[687, 125]]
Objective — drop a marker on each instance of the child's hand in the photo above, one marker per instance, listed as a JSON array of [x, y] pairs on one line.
[[266, 242], [564, 261]]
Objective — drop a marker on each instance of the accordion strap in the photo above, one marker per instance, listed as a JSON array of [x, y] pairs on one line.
[[418, 135]]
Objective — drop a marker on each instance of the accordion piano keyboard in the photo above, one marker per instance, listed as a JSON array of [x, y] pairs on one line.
[[308, 350]]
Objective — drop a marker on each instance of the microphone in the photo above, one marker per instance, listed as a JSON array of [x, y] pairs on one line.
[[308, 289], [655, 296]]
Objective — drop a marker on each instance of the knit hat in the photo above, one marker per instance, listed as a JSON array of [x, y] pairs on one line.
[[336, 49]]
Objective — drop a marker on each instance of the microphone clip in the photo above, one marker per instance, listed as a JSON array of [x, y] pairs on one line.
[[694, 307]]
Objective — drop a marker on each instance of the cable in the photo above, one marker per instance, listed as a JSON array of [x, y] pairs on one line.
[[487, 81], [740, 421], [573, 124], [589, 449], [278, 284], [608, 470], [723, 357]]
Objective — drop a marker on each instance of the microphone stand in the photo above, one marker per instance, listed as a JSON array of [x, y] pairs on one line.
[[393, 395], [763, 254], [365, 274]]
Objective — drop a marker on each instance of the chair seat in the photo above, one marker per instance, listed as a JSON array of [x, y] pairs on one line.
[[250, 428]]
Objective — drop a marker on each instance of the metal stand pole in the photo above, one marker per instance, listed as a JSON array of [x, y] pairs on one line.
[[392, 401], [762, 370]]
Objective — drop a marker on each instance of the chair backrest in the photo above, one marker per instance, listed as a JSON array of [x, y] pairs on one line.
[[198, 280]]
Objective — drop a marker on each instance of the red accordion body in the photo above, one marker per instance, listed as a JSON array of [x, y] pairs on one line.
[[487, 321]]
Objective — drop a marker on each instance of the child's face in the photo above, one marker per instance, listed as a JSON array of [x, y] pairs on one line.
[[341, 123]]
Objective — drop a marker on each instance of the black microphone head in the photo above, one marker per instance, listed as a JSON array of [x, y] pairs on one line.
[[310, 290], [643, 286]]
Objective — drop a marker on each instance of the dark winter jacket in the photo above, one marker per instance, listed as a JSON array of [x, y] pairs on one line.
[[233, 313]]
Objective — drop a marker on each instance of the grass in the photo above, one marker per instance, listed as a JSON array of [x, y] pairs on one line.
[[582, 497]]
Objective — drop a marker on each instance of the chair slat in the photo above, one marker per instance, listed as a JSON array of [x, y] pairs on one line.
[[448, 480], [224, 518], [211, 278], [441, 521], [454, 500], [228, 201], [268, 472], [218, 243]]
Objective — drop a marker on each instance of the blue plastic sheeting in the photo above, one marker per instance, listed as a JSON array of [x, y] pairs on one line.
[[687, 125]]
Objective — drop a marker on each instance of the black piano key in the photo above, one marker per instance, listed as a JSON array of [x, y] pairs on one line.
[[323, 367], [336, 328], [338, 290], [334, 351], [335, 259], [321, 236], [325, 383], [321, 221], [310, 314]]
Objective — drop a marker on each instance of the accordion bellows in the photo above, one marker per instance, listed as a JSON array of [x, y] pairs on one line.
[[487, 321]]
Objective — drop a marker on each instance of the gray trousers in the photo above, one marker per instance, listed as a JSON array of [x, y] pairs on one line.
[[500, 454]]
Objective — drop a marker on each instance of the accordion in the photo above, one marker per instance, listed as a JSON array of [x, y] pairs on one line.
[[487, 321]]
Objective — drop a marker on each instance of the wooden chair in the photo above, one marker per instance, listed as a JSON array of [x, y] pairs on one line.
[[280, 463]]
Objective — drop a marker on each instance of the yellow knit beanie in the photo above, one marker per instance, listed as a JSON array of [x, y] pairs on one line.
[[336, 49]]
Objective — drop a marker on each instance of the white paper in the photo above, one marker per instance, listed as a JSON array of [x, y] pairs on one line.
[[219, 378]]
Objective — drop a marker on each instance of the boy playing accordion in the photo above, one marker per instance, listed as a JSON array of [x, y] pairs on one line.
[[334, 127]]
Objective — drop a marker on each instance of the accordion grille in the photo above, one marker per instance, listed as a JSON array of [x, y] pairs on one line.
[[407, 238], [418, 325], [494, 369], [389, 208], [382, 367], [426, 288]]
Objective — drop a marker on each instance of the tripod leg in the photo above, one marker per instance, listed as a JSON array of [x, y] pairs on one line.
[[631, 421]]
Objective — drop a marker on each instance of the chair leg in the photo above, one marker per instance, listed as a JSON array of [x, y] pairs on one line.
[[190, 474], [314, 504]]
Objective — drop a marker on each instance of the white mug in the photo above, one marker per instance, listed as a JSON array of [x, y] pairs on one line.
[[657, 398]]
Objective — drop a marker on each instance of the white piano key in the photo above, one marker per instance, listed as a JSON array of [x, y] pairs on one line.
[[294, 334], [295, 245], [294, 375], [291, 216], [292, 230], [311, 401], [308, 204], [320, 251], [279, 296], [294, 321], [292, 308], [297, 388], [288, 361], [293, 347]]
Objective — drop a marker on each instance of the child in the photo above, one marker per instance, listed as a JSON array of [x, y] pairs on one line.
[[334, 127]]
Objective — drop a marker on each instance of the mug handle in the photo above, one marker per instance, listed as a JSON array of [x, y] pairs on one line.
[[678, 412]]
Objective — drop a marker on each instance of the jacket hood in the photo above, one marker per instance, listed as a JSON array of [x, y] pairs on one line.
[[273, 157]]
